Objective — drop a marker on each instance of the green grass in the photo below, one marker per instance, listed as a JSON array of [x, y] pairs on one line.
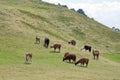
[[113, 57]]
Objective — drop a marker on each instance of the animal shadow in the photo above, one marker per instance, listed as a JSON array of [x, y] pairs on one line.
[[54, 52], [27, 63], [81, 66], [69, 62]]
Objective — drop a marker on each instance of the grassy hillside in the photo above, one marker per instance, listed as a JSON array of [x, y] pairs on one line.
[[22, 20]]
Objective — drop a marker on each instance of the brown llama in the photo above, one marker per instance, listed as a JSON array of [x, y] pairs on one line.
[[28, 58], [56, 46], [83, 61], [72, 42], [96, 54], [69, 56]]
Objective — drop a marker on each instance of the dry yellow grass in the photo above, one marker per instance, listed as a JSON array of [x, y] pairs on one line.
[[101, 69]]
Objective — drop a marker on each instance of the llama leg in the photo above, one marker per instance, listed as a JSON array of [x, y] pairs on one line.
[[83, 63], [94, 56], [69, 61], [59, 49], [86, 64], [97, 57], [54, 49], [26, 61]]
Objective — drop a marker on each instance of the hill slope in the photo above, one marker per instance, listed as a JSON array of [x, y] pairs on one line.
[[25, 17], [21, 21]]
